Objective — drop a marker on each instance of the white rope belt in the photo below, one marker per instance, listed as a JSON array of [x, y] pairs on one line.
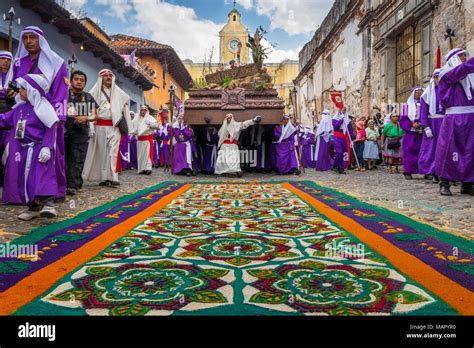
[[436, 116], [460, 110]]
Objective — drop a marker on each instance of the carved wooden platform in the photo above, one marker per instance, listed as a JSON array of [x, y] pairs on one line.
[[242, 103], [235, 73]]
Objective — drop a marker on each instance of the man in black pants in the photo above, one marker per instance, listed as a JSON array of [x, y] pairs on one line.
[[81, 110]]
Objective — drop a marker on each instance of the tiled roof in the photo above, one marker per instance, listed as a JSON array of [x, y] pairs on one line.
[[120, 41]]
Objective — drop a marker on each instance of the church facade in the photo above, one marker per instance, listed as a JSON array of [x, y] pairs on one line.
[[232, 46]]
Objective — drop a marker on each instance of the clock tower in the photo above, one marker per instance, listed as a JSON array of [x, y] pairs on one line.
[[233, 35]]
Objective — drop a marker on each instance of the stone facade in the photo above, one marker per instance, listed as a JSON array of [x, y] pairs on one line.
[[376, 51]]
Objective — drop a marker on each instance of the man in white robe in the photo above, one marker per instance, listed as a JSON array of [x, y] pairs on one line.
[[228, 156], [143, 127], [103, 161]]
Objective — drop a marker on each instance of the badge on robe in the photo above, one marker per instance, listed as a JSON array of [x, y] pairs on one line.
[[20, 129]]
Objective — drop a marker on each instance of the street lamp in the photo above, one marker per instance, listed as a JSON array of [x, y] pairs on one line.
[[10, 17], [72, 61]]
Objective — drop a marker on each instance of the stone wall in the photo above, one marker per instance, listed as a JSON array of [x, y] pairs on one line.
[[359, 42]]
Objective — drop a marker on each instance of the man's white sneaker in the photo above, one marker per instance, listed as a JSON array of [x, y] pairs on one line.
[[48, 212], [28, 215]]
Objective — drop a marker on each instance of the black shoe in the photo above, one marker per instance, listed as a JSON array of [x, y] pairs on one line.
[[114, 183], [60, 200], [147, 172], [467, 189], [428, 177], [105, 183], [239, 174], [435, 179], [297, 172], [444, 190], [71, 192], [408, 176]]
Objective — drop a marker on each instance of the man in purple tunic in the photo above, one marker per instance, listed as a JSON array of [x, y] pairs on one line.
[[286, 152], [411, 142], [210, 149], [343, 132], [34, 56], [307, 143], [454, 159], [6, 103], [324, 161], [125, 151], [156, 148], [30, 167], [182, 150], [431, 117]]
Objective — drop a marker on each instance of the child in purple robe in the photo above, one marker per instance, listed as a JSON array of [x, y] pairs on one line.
[[411, 142], [35, 56], [30, 166], [343, 132], [287, 161], [322, 152], [182, 148], [431, 118]]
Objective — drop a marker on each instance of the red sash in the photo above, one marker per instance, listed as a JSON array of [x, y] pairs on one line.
[[227, 141], [148, 138], [348, 144], [104, 122]]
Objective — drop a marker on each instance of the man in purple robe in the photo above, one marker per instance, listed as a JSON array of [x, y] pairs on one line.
[[182, 149], [411, 142], [30, 168], [343, 132], [132, 141], [210, 149], [307, 144], [125, 151], [34, 56], [454, 159], [6, 103], [323, 158], [287, 161], [431, 118], [156, 146]]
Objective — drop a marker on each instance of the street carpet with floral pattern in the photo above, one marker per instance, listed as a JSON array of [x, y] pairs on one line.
[[252, 248]]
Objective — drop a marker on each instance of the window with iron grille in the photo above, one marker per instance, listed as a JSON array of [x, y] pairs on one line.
[[408, 57]]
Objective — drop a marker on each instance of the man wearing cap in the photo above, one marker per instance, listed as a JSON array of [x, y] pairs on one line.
[[6, 72], [143, 127], [82, 109], [287, 161], [103, 159], [35, 56], [431, 118], [454, 159]]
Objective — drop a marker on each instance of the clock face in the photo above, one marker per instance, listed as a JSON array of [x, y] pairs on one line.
[[234, 45]]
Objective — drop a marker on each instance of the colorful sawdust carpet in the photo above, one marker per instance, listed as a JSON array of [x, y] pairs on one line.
[[255, 248]]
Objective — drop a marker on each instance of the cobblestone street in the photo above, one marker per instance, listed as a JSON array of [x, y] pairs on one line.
[[417, 199]]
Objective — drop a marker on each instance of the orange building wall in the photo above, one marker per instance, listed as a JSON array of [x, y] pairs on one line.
[[157, 97]]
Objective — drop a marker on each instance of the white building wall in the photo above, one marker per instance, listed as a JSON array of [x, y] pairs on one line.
[[64, 47]]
